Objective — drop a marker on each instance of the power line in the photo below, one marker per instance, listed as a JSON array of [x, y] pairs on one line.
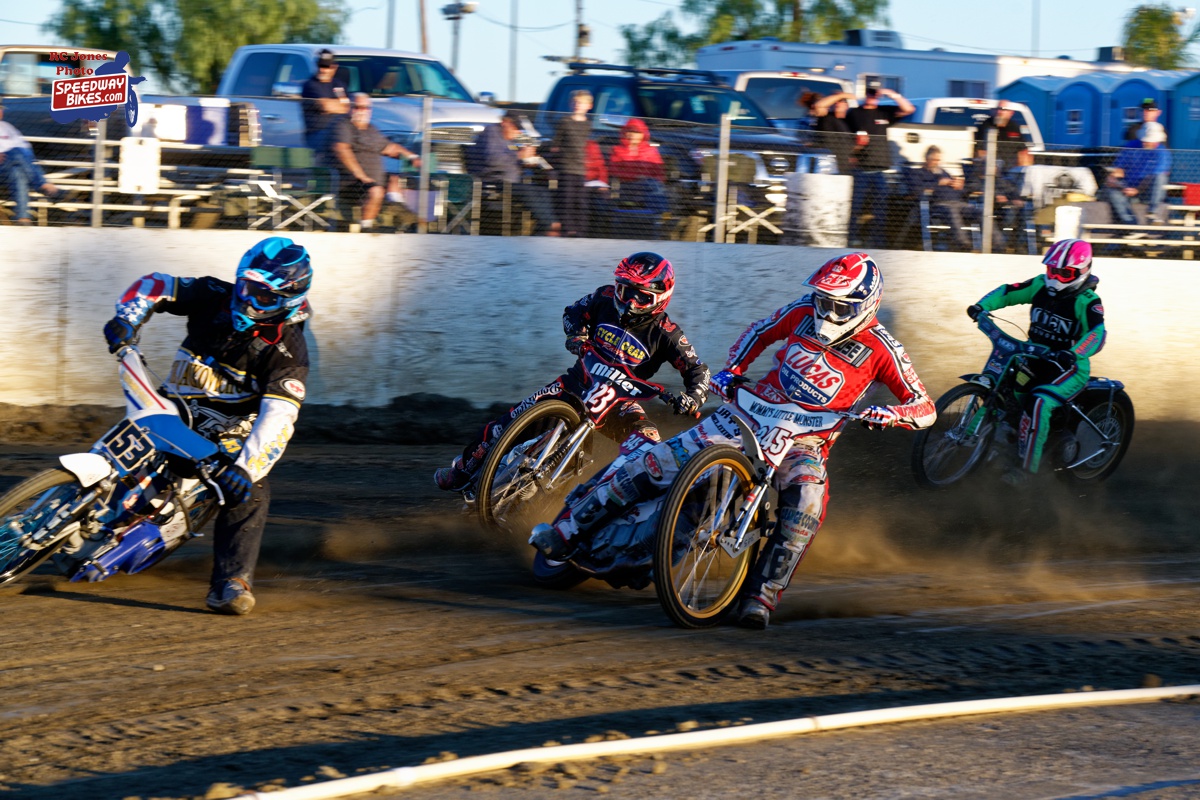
[[20, 22], [521, 29]]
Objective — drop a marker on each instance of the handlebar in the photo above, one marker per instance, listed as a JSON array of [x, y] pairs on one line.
[[990, 329]]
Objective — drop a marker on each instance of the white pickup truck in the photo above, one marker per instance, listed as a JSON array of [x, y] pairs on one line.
[[950, 123]]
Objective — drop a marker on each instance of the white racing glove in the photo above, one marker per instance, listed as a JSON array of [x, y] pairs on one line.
[[875, 417]]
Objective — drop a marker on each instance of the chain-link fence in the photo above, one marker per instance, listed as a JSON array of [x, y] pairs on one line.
[[213, 163]]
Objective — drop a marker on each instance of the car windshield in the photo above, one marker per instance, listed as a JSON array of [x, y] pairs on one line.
[[963, 115], [698, 104], [780, 97], [387, 76]]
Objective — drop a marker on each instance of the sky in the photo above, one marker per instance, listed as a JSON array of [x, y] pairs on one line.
[[546, 27]]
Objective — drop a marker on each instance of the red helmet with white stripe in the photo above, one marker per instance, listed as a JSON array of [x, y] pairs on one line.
[[644, 283], [1068, 264], [846, 293]]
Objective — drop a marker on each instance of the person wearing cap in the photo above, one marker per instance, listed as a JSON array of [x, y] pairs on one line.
[[325, 103], [498, 158], [872, 157], [1010, 139], [1140, 172], [20, 171]]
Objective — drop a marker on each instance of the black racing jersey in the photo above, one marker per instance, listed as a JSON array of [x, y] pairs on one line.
[[644, 346], [1060, 321]]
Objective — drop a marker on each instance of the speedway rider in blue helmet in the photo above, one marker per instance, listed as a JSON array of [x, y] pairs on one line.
[[241, 372]]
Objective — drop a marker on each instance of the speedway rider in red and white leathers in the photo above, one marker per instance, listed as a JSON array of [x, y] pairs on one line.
[[831, 350]]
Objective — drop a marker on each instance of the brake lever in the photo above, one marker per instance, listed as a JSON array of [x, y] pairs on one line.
[[208, 480]]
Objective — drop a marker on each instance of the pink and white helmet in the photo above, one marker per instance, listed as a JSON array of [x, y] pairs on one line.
[[1068, 264], [846, 293]]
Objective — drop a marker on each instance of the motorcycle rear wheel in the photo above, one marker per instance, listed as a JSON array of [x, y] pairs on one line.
[[1114, 418], [958, 441], [507, 496], [697, 581], [22, 510]]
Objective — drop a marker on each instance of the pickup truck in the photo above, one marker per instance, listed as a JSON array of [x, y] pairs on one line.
[[269, 78], [779, 93]]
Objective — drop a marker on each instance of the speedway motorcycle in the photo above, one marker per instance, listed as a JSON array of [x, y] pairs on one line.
[[548, 447], [699, 540], [979, 419], [141, 491]]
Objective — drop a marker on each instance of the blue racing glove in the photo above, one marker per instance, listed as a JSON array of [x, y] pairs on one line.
[[235, 484], [719, 384], [118, 333]]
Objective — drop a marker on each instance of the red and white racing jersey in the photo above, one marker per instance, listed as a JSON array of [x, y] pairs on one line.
[[831, 378]]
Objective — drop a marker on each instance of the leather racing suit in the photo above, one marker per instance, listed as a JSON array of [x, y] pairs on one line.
[[644, 343], [243, 389], [817, 378], [1072, 325]]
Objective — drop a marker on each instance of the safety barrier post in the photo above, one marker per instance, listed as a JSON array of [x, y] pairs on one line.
[[722, 179], [426, 149], [989, 191], [98, 173]]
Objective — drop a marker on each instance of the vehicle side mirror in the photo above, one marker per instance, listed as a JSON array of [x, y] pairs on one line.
[[487, 98], [286, 89]]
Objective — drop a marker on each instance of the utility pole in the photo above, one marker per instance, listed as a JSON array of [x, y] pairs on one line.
[[424, 27], [578, 28], [455, 12], [391, 23], [512, 54]]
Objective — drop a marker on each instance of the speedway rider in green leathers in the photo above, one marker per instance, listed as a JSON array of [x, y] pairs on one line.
[[1066, 316]]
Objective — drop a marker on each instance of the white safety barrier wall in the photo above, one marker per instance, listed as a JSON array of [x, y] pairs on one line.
[[480, 317]]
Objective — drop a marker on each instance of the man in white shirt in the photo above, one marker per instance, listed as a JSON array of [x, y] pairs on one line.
[[19, 170]]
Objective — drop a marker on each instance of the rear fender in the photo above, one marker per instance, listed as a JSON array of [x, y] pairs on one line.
[[89, 468], [977, 377]]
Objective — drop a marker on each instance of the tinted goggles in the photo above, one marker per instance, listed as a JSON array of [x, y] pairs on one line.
[[834, 309], [635, 296], [1064, 273], [262, 297]]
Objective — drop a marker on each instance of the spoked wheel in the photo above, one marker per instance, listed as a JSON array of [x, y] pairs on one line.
[[560, 575], [1101, 440], [957, 443], [697, 580], [508, 495], [25, 511]]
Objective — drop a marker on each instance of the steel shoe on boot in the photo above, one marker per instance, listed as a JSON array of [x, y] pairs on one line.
[[451, 478], [231, 597], [550, 542], [753, 614]]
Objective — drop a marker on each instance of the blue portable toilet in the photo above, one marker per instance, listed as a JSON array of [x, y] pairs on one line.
[[1125, 104], [1080, 107], [1037, 92], [1183, 130]]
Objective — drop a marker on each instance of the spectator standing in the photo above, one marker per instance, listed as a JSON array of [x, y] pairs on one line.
[[20, 171], [568, 155], [944, 193], [1140, 171], [833, 128], [870, 122], [1010, 139], [636, 163], [325, 104], [359, 148], [497, 158]]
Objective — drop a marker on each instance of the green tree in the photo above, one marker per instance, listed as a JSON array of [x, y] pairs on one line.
[[661, 43], [1154, 37], [187, 43]]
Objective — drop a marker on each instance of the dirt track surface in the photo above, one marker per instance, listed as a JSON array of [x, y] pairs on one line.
[[390, 630]]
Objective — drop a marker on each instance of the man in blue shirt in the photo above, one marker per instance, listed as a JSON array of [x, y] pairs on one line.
[[497, 159], [1140, 171]]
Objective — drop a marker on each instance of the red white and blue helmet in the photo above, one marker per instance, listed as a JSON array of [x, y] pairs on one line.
[[272, 284], [846, 293], [1068, 265], [644, 283]]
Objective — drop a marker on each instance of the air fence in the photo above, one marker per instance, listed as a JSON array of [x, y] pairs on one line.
[[203, 163]]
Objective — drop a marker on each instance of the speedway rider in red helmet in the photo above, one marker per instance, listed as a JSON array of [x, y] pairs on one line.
[[1066, 314], [241, 373], [832, 349], [626, 322]]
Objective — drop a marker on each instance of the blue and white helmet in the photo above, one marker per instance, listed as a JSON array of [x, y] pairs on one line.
[[272, 284]]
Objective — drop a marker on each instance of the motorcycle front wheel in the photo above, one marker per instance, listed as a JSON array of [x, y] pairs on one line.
[[559, 575], [697, 581], [24, 511], [1105, 435], [508, 496], [958, 441]]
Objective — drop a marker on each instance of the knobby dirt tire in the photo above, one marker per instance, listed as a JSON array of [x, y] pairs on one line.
[[1114, 416], [539, 418], [32, 496], [698, 584], [937, 444], [558, 575]]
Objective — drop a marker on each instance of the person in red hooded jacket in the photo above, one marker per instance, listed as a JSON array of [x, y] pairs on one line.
[[636, 163]]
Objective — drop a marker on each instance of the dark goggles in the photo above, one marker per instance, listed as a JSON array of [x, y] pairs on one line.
[[635, 296], [263, 298], [834, 309]]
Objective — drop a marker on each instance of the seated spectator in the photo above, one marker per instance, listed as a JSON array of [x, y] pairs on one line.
[[359, 148], [596, 186], [944, 193], [1017, 214], [1004, 192], [20, 171], [1140, 172], [495, 158], [638, 166]]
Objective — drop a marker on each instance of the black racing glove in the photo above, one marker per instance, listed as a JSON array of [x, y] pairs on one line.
[[118, 333], [1065, 359], [973, 311], [575, 345], [685, 405], [235, 484]]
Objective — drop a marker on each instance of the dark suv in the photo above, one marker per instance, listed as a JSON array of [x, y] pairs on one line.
[[682, 109]]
